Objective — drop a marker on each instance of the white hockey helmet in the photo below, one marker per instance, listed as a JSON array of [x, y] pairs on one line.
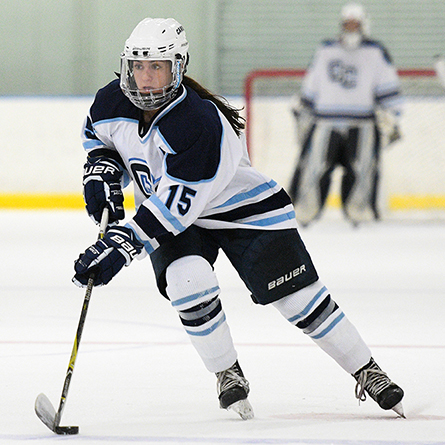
[[154, 39], [357, 13]]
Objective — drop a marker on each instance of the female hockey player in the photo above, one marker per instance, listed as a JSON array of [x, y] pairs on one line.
[[351, 95], [196, 193]]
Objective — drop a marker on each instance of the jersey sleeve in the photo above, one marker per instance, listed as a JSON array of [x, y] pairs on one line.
[[311, 80], [387, 88], [95, 137], [309, 85], [91, 140], [95, 147]]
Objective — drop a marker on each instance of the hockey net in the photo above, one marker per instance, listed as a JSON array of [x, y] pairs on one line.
[[412, 169]]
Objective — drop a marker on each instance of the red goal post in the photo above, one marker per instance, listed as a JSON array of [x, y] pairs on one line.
[[249, 84], [413, 169]]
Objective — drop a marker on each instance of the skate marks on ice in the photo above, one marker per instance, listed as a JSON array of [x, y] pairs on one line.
[[130, 324], [92, 439], [351, 417]]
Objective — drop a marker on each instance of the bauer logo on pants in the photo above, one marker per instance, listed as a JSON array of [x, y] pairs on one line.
[[286, 277]]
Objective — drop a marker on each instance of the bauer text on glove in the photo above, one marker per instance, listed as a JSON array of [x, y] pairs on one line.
[[107, 257], [102, 188]]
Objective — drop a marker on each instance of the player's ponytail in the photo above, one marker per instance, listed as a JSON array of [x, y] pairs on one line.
[[231, 113]]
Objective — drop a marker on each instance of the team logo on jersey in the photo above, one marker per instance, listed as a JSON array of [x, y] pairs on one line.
[[345, 75], [143, 178]]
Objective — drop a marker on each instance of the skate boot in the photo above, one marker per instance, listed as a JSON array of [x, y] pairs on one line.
[[379, 387], [233, 389]]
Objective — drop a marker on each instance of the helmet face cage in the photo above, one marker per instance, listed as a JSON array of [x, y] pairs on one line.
[[154, 39], [150, 100]]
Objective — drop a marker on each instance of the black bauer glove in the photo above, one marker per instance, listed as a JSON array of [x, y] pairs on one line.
[[102, 188], [107, 257]]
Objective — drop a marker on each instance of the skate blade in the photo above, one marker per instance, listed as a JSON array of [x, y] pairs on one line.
[[243, 408], [398, 409]]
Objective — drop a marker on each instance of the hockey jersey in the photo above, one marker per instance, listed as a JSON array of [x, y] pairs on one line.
[[188, 167], [342, 83]]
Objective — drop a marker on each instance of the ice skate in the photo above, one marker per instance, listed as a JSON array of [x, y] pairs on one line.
[[233, 389], [379, 387]]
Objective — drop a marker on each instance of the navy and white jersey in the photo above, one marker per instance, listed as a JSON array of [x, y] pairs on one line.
[[188, 167], [351, 83]]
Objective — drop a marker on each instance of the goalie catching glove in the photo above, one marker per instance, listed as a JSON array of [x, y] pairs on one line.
[[107, 257], [387, 123], [102, 188]]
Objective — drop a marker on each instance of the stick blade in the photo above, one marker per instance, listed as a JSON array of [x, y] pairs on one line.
[[47, 414], [45, 411]]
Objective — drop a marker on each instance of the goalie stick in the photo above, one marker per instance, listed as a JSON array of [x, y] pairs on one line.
[[43, 407]]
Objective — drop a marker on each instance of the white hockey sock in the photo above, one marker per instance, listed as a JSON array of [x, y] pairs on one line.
[[193, 289], [313, 311]]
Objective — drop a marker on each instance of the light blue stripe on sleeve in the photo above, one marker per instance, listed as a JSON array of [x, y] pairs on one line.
[[166, 213], [91, 143], [148, 246]]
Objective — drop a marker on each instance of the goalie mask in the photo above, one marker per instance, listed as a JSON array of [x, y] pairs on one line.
[[154, 40], [354, 25]]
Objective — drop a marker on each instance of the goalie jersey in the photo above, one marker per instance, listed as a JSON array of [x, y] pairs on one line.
[[188, 167], [342, 83]]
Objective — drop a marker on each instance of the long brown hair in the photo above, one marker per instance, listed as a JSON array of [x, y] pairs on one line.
[[231, 113]]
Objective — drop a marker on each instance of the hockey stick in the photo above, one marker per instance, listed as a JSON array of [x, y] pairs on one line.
[[43, 407]]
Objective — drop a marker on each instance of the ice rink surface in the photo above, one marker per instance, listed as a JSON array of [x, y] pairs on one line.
[[138, 380]]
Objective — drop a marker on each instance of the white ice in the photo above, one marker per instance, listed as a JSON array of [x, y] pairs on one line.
[[138, 380]]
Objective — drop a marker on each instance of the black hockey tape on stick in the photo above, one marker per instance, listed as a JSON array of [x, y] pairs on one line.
[[43, 407]]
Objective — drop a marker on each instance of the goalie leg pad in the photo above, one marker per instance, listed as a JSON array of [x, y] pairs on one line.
[[359, 182], [314, 171], [314, 312], [193, 289]]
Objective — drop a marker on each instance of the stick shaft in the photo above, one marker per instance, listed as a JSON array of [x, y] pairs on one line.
[[83, 315]]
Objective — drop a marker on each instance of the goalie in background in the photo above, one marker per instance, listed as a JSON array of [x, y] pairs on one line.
[[348, 110]]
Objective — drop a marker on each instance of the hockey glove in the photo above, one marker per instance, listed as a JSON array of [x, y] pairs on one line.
[[395, 135], [107, 257], [102, 188], [304, 118]]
